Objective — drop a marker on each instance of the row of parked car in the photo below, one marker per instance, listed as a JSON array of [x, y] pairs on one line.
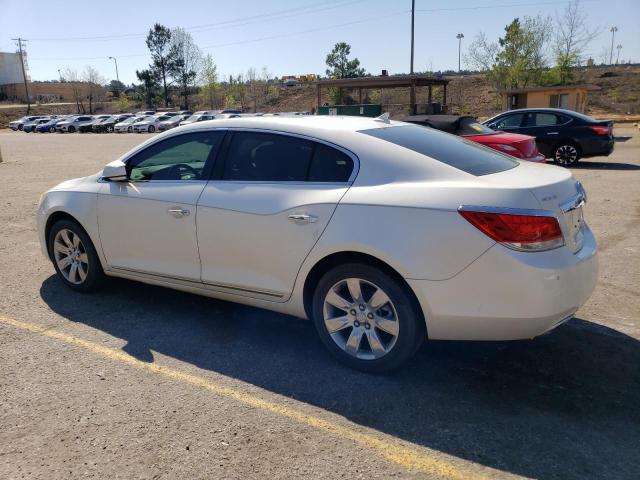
[[146, 121]]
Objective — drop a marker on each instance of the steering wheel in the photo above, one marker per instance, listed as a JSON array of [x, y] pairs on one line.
[[178, 171]]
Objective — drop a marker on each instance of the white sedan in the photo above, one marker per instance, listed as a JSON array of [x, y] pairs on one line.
[[150, 124], [383, 233]]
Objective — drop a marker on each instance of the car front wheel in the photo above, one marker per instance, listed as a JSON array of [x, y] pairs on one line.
[[151, 129], [366, 318], [566, 154], [74, 257]]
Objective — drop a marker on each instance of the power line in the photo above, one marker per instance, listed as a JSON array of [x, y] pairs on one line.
[[253, 40], [237, 22], [505, 5]]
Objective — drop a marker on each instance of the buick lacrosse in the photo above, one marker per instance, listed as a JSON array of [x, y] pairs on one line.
[[383, 233]]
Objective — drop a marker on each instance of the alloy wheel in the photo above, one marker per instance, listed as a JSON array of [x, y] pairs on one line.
[[71, 256], [361, 318], [566, 154]]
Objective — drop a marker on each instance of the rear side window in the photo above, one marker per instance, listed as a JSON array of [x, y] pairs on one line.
[[514, 120], [267, 157], [329, 165], [544, 119], [453, 151]]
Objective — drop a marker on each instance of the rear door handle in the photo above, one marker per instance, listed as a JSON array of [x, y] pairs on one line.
[[552, 133], [179, 212], [303, 218]]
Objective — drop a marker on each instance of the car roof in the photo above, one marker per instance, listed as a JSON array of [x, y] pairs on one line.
[[542, 109], [303, 124]]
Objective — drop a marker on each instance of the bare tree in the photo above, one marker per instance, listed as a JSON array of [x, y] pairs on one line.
[[572, 39], [187, 58], [71, 77], [93, 82]]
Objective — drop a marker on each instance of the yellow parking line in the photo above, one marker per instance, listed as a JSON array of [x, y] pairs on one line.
[[413, 458]]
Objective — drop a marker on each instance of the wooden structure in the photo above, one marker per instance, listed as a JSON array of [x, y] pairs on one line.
[[397, 81], [570, 97]]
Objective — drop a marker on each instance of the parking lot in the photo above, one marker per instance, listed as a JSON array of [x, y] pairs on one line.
[[143, 382]]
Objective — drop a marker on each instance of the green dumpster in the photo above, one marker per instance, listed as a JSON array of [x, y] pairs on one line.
[[364, 110]]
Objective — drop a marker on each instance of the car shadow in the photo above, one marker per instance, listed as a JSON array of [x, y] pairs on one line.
[[585, 164], [565, 405]]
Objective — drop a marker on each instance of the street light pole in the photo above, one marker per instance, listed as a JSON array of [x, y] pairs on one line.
[[413, 18], [460, 36], [613, 34], [117, 76]]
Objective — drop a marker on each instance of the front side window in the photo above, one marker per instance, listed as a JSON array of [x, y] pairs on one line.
[[509, 121], [267, 157], [182, 157]]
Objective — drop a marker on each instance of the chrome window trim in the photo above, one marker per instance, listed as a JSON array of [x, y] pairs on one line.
[[349, 153]]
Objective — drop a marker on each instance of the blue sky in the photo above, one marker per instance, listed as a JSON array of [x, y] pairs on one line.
[[286, 37]]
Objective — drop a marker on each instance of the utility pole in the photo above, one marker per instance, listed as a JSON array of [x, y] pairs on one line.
[[413, 21], [619, 47], [613, 34], [24, 74], [460, 36]]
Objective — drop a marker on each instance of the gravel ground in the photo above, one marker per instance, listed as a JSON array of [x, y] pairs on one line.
[[142, 382]]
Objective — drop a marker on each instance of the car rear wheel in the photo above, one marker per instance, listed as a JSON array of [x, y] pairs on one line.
[[130, 129], [151, 129], [366, 319], [71, 129], [109, 129], [74, 257], [566, 154], [52, 129]]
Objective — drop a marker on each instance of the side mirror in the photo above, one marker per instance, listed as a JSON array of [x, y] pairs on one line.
[[115, 171]]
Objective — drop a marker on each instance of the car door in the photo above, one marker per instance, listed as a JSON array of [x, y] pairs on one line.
[[148, 224], [265, 209], [546, 127]]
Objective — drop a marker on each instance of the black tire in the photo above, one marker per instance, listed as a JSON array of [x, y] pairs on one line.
[[130, 129], [411, 325], [110, 129], [151, 129], [566, 154], [71, 129], [95, 274], [52, 129]]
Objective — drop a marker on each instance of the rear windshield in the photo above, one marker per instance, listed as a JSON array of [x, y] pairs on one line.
[[457, 152], [474, 128]]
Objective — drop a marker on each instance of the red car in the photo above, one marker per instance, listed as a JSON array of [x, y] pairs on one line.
[[520, 146]]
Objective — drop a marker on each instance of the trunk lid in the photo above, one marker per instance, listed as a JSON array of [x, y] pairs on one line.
[[557, 191]]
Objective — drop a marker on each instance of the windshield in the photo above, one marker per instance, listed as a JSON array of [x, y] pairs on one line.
[[454, 151]]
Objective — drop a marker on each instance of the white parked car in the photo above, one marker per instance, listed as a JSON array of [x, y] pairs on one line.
[[73, 124], [150, 124], [383, 233], [126, 126]]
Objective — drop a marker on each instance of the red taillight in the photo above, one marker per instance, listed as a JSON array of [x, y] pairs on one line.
[[521, 232], [601, 130]]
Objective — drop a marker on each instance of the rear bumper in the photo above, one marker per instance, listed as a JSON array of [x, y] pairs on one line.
[[599, 145], [509, 295]]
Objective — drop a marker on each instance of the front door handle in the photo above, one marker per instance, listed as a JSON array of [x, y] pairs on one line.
[[179, 212], [552, 133], [303, 218]]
